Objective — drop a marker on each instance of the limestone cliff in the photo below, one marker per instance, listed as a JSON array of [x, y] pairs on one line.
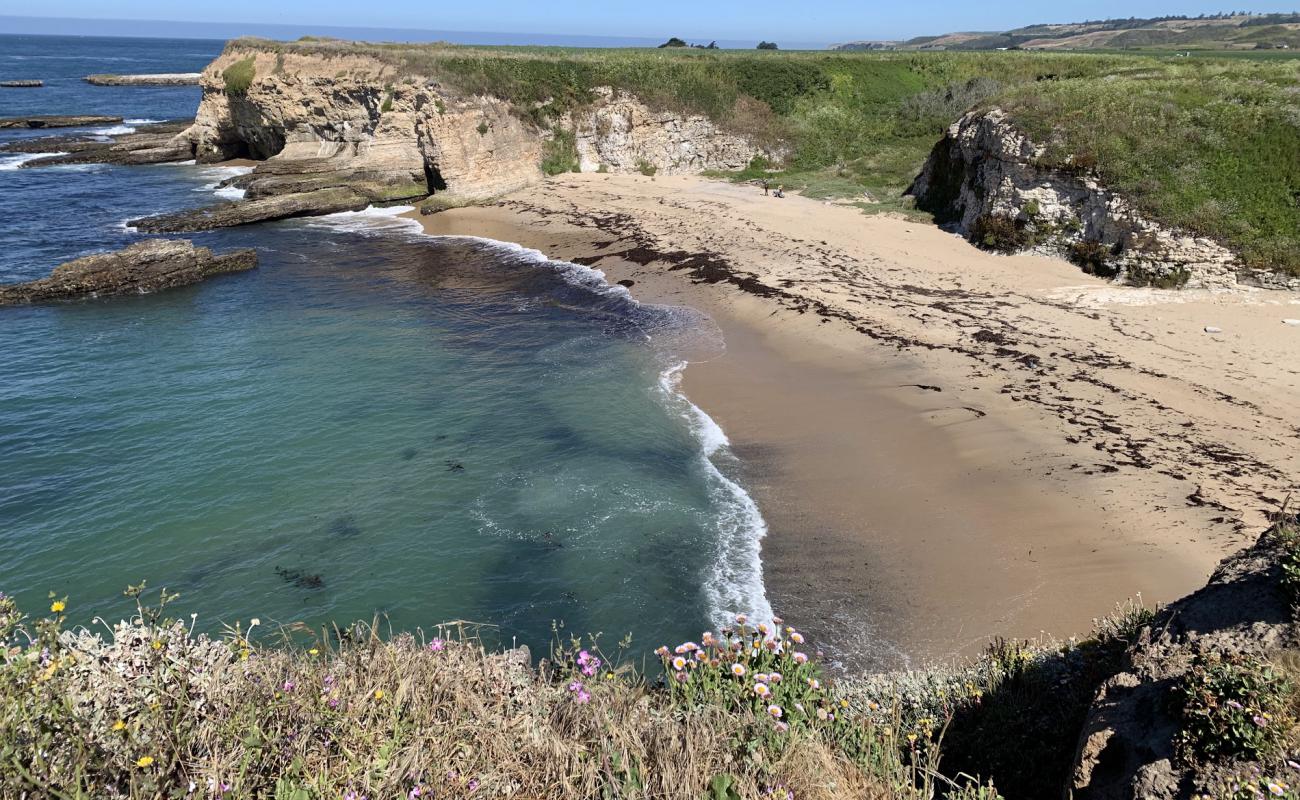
[[987, 178], [352, 121]]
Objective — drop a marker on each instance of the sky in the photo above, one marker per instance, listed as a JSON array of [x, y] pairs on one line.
[[810, 22]]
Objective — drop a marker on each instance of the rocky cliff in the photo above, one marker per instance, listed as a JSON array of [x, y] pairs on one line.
[[359, 124], [989, 181]]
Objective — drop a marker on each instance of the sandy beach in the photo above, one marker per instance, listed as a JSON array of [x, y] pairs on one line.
[[947, 445]]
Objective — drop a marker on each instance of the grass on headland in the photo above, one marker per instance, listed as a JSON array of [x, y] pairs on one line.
[[1208, 144], [153, 710]]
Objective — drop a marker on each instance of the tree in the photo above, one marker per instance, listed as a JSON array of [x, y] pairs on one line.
[[767, 46], [673, 42]]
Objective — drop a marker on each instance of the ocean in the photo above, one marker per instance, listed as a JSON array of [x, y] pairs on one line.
[[374, 422]]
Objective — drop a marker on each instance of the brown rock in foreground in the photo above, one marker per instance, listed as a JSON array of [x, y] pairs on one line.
[[143, 267], [57, 121], [160, 79]]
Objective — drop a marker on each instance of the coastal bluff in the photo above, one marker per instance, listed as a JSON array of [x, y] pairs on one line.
[[144, 267], [352, 120]]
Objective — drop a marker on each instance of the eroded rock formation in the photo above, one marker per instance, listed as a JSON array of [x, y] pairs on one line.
[[58, 121], [158, 79], [985, 169], [147, 266], [351, 122], [155, 143]]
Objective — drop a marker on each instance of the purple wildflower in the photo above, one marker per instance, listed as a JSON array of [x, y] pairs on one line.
[[289, 686], [1259, 721], [436, 646], [583, 696]]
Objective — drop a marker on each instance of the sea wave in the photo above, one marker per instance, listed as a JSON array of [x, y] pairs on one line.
[[113, 130], [8, 162], [737, 585]]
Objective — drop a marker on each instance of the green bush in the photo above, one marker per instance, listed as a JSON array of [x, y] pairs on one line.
[[239, 76], [646, 168], [1234, 706], [1000, 234], [1094, 257], [560, 153], [483, 128]]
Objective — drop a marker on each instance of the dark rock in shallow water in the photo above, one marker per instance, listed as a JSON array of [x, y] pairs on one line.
[[155, 143], [143, 267], [227, 215], [21, 84], [301, 579], [57, 121]]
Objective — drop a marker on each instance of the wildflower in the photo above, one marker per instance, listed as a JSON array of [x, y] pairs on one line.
[[761, 677], [822, 714], [775, 711], [662, 651], [1234, 704], [796, 637], [781, 727], [254, 622], [144, 762], [120, 725], [289, 686], [583, 696], [190, 789], [681, 677], [813, 683], [777, 620], [1259, 721], [762, 628], [761, 690], [844, 703], [774, 677], [157, 644], [800, 658], [415, 792], [379, 694], [738, 670], [609, 676], [680, 649], [741, 619], [701, 655], [1293, 764], [329, 680], [472, 785], [911, 738], [1276, 789], [679, 663], [313, 652], [333, 702], [584, 657], [576, 686], [57, 606], [691, 646]]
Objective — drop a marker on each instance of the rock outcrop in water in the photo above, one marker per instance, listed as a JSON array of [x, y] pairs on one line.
[[353, 123], [24, 84], [160, 79], [298, 204], [58, 121], [155, 143], [986, 178], [143, 267]]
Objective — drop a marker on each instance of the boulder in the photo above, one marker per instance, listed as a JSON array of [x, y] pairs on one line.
[[147, 266], [243, 212]]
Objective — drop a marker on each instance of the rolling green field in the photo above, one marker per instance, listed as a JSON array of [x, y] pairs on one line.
[[1209, 143]]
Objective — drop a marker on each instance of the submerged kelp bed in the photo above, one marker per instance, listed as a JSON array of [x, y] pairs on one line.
[[1206, 143]]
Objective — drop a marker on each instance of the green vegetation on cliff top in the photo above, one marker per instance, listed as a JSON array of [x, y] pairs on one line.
[[1208, 144]]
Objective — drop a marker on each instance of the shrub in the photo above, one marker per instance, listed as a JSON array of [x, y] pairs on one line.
[[239, 76], [388, 101], [1234, 706], [1094, 257], [560, 153], [646, 168], [483, 128], [1287, 537], [767, 46], [999, 233]]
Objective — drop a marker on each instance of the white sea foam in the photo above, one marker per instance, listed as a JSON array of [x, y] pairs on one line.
[[114, 130], [16, 160], [370, 220], [738, 587], [143, 122]]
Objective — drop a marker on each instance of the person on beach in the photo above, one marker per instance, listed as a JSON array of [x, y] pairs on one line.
[[766, 185], [780, 190]]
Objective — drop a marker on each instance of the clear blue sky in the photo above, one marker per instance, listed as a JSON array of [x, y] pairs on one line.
[[786, 20]]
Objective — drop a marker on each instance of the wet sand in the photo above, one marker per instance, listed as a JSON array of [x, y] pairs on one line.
[[948, 446]]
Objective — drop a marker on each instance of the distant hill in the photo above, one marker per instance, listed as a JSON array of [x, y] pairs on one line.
[[1206, 32]]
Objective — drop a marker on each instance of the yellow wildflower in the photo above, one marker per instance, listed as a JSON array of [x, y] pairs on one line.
[[911, 737], [144, 762], [120, 725], [57, 606], [157, 645], [313, 652], [844, 703], [379, 694]]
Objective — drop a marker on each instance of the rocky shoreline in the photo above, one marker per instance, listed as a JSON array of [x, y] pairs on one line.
[[58, 121], [155, 143], [144, 267]]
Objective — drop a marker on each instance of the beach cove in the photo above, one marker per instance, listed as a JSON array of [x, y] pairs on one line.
[[882, 379]]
